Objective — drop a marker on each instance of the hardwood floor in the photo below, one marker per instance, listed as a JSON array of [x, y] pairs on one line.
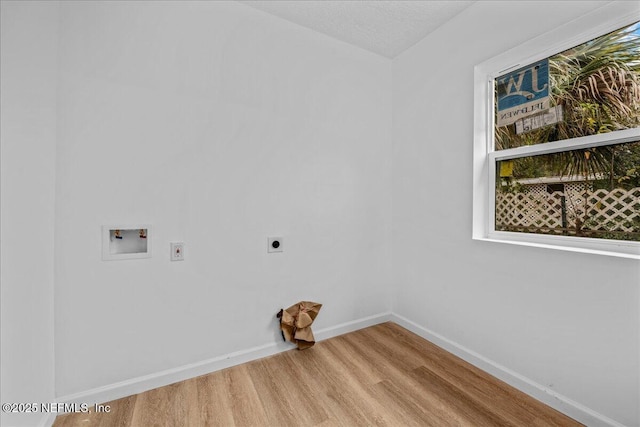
[[383, 375]]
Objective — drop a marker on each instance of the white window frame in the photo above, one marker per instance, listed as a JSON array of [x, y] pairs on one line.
[[597, 23]]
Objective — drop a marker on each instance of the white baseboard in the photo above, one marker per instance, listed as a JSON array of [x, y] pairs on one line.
[[549, 397], [354, 325], [170, 376], [148, 382]]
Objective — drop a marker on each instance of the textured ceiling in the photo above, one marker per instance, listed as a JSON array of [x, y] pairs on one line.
[[384, 27]]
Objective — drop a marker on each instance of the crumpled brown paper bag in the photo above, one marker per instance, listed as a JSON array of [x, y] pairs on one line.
[[295, 323]]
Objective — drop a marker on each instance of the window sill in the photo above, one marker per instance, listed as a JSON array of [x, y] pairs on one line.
[[602, 247]]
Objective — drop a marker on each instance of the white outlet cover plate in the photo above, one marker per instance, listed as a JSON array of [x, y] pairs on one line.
[[177, 251], [270, 245]]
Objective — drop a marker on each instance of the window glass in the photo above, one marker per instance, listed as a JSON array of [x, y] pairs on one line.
[[593, 192], [593, 88]]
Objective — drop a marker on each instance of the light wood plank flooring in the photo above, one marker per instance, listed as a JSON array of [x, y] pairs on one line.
[[383, 375]]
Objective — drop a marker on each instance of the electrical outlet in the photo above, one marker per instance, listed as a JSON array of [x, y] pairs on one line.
[[275, 244], [177, 251]]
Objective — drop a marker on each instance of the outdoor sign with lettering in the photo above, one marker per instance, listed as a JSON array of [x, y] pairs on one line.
[[523, 92], [551, 116]]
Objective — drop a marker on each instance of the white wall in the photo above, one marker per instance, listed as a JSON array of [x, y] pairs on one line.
[[219, 126], [27, 131], [567, 321]]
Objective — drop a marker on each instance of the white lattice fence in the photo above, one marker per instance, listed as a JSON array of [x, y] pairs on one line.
[[530, 210], [617, 210]]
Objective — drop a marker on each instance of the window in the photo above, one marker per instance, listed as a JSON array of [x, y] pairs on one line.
[[557, 138]]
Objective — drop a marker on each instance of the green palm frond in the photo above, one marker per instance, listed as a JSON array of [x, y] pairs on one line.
[[598, 85]]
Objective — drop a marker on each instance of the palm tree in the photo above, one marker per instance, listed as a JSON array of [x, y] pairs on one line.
[[598, 86]]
